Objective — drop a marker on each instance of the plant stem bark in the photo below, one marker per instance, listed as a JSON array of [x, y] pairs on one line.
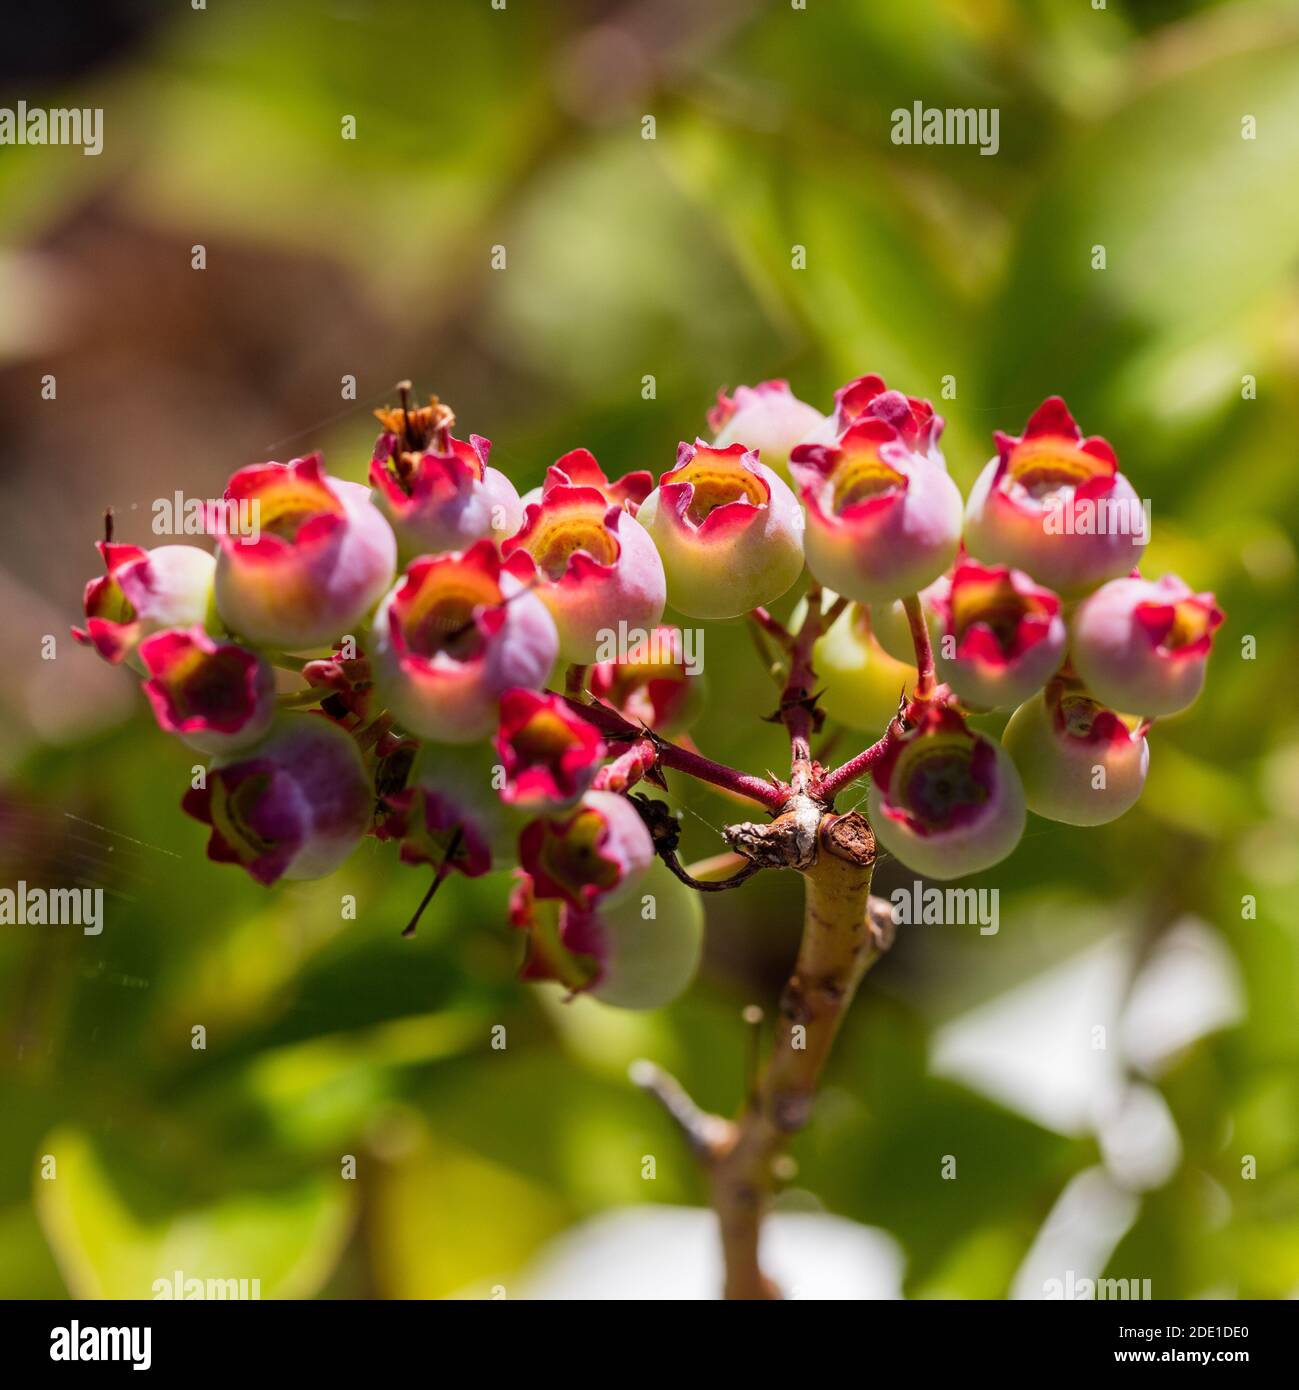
[[841, 939]]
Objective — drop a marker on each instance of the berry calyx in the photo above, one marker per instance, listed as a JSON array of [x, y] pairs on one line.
[[443, 497], [1001, 635], [548, 753]]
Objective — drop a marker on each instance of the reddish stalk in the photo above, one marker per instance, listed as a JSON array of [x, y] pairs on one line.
[[797, 710], [772, 795], [924, 652], [772, 627], [834, 782]]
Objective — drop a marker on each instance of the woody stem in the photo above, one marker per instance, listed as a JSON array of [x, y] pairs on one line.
[[843, 935]]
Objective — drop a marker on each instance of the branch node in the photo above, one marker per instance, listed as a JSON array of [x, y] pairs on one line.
[[788, 842], [707, 1135]]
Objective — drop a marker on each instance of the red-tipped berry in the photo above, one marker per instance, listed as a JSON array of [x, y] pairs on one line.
[[946, 801], [1056, 505], [143, 592], [882, 519], [1001, 638], [455, 632], [216, 695], [1142, 645], [549, 753], [592, 564], [323, 559], [1079, 762], [728, 529]]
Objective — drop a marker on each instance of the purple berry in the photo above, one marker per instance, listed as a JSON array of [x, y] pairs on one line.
[[293, 806], [946, 801]]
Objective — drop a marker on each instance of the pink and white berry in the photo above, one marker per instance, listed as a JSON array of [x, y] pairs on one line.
[[768, 418], [946, 801], [728, 529], [143, 592], [1055, 504], [882, 520], [1079, 762], [1002, 637], [454, 633], [1142, 645], [323, 559], [592, 564], [443, 499]]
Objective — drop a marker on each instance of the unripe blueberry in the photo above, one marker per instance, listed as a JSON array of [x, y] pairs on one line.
[[580, 468], [445, 498], [596, 853], [946, 801], [1005, 635], [892, 627], [658, 682], [323, 559], [861, 682], [728, 529], [652, 941], [217, 696], [882, 520], [1079, 762], [293, 806], [548, 752], [1142, 645], [592, 564], [768, 418], [1055, 504], [455, 632], [638, 953], [449, 812], [144, 591]]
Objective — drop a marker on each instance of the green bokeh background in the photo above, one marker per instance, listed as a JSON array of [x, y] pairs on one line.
[[627, 258]]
